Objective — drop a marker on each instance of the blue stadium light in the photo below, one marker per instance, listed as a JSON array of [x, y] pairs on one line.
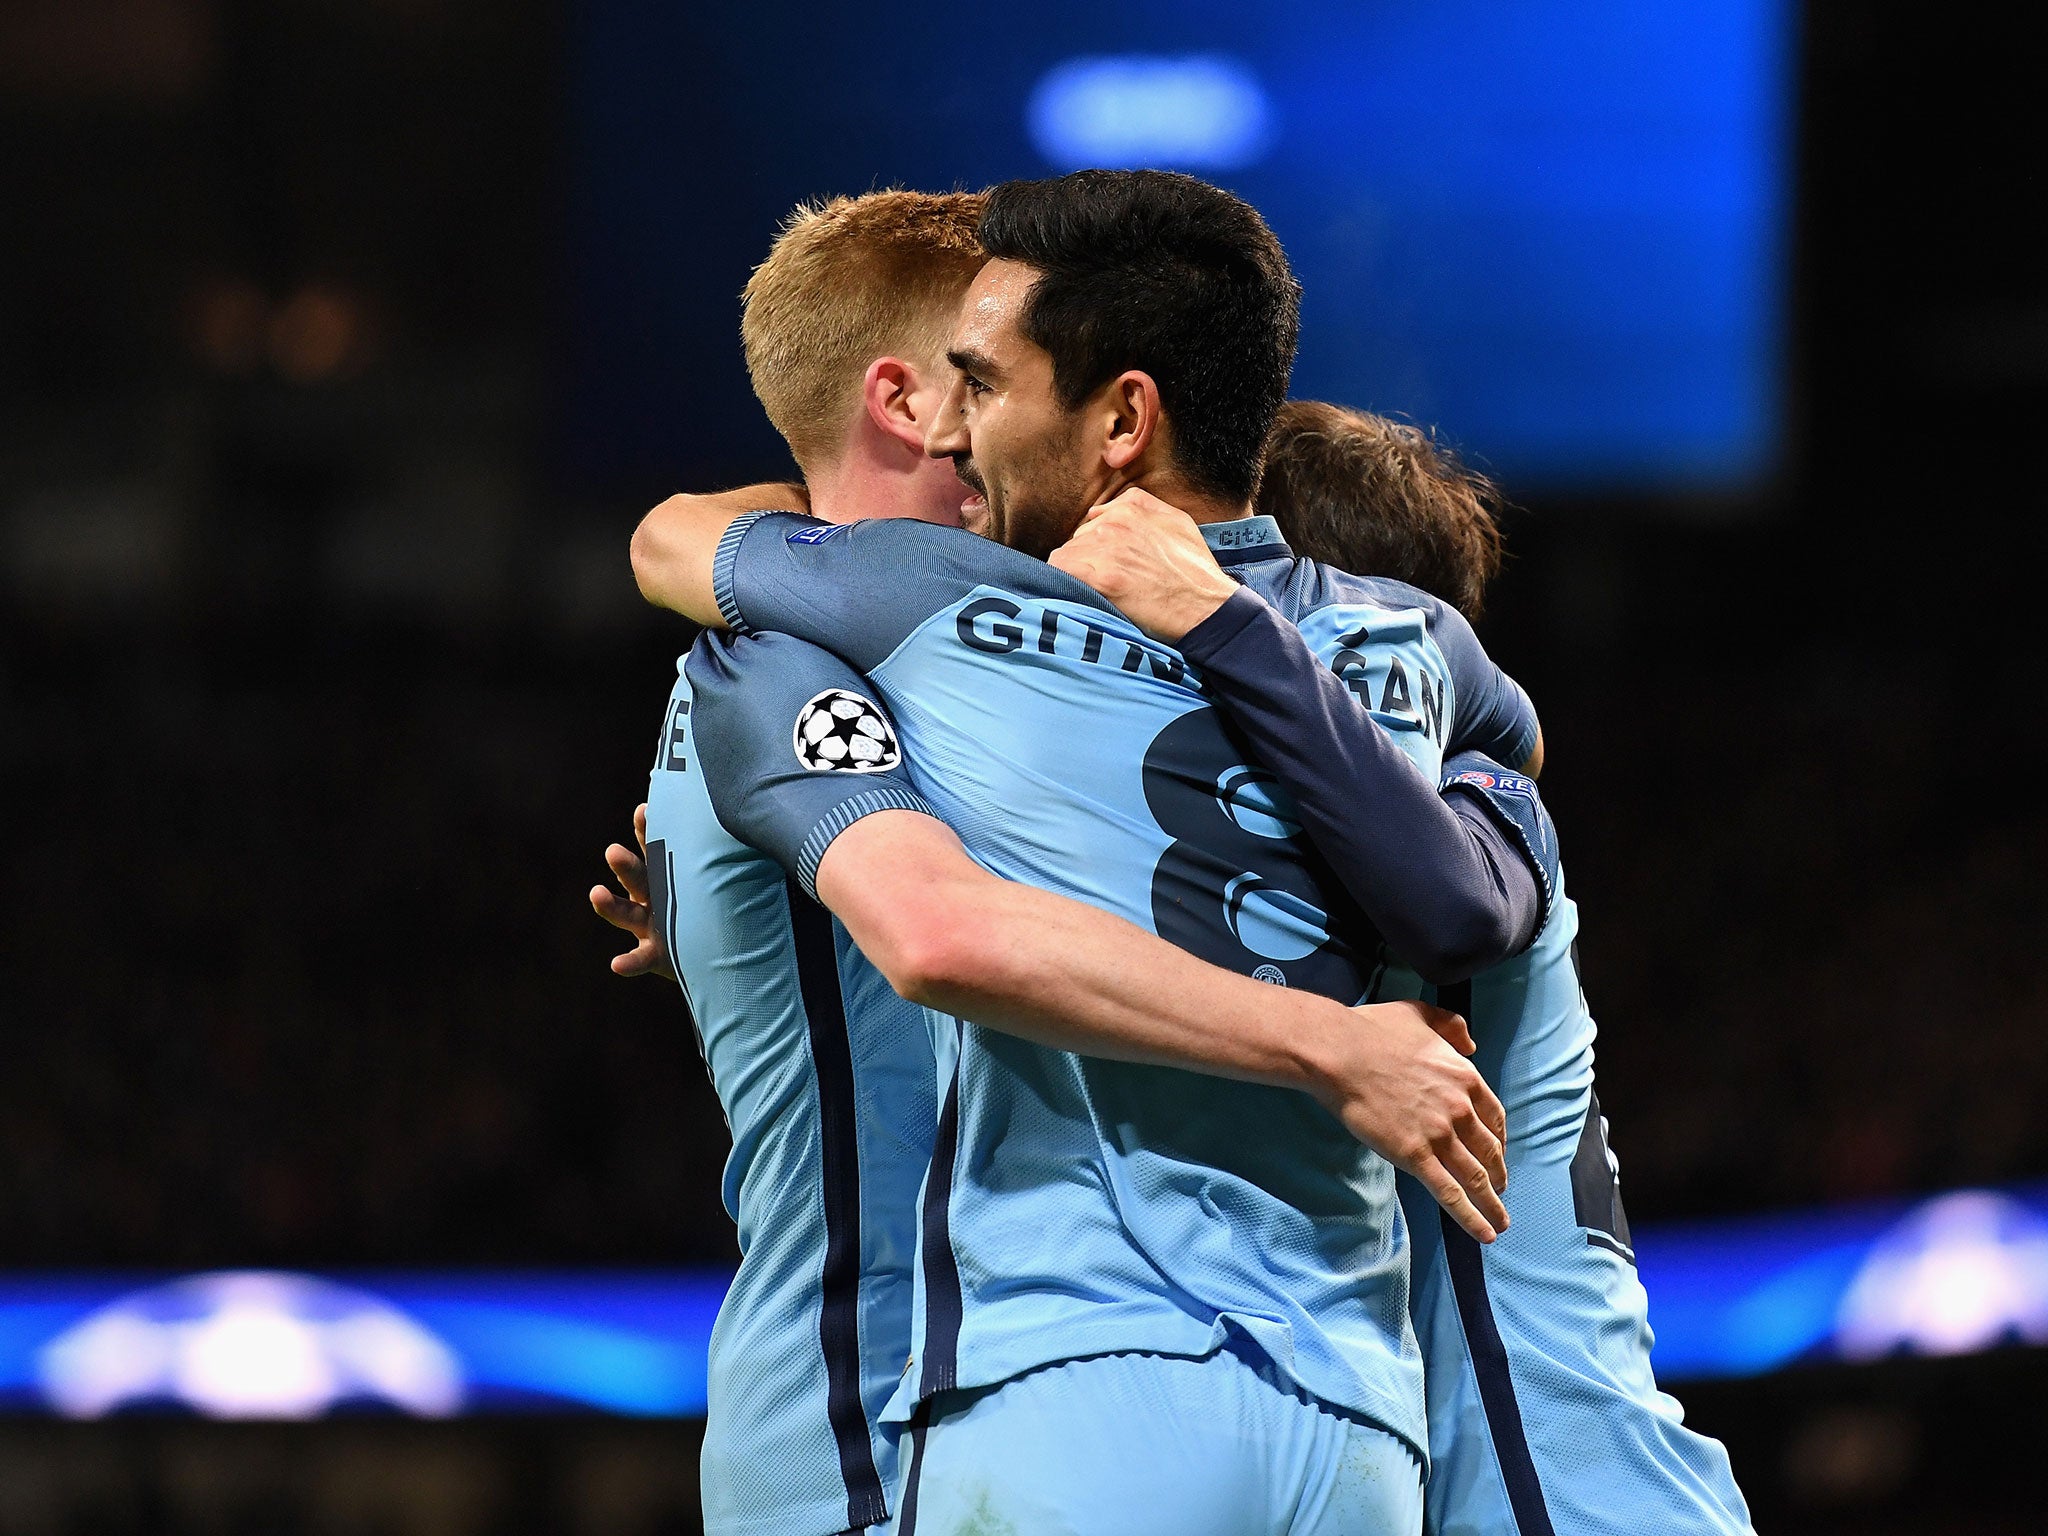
[[1951, 1275], [272, 1345], [1205, 113]]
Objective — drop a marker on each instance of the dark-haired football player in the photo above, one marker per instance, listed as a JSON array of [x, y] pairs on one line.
[[1149, 1301], [1544, 1412], [780, 774]]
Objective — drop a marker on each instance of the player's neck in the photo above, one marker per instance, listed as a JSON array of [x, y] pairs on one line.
[[1175, 491], [874, 477]]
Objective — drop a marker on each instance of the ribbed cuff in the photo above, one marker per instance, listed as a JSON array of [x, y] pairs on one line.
[[1528, 840], [723, 559], [884, 797]]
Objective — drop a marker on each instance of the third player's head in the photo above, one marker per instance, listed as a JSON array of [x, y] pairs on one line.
[[1381, 498], [1130, 328], [845, 330]]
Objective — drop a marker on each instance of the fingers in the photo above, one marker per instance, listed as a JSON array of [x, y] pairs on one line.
[[1486, 1134], [1479, 1140], [642, 959], [1452, 1027], [1473, 1178], [1078, 564], [627, 916], [640, 826], [1444, 1185], [1495, 1117], [630, 870]]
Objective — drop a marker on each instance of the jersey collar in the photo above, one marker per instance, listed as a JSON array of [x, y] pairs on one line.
[[1244, 539]]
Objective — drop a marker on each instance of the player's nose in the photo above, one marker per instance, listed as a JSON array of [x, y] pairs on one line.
[[946, 438]]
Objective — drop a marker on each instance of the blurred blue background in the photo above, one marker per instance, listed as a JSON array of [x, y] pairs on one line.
[[343, 342], [1558, 232], [1958, 1274]]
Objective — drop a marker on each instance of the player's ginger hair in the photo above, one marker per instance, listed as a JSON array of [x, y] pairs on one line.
[[1381, 498], [847, 281]]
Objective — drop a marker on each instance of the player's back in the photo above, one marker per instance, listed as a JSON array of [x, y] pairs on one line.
[[1403, 652], [826, 1079], [1544, 1412], [1077, 1206]]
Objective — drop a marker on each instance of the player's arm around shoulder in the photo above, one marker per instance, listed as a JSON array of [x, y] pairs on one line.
[[676, 544]]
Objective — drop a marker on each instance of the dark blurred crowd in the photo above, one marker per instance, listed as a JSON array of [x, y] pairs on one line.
[[299, 967], [323, 685]]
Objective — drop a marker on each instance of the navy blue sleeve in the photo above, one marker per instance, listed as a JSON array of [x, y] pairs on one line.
[[1510, 799], [794, 748], [1490, 712], [860, 589], [1447, 889]]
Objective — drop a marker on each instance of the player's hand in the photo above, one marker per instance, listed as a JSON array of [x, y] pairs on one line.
[[1400, 1084], [1151, 560], [632, 913]]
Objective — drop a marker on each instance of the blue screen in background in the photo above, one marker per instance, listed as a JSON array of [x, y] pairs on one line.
[[1557, 232]]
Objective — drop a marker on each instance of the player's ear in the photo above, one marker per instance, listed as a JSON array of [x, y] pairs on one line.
[[1131, 416], [890, 393]]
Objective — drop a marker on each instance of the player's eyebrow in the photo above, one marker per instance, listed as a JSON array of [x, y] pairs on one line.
[[980, 365]]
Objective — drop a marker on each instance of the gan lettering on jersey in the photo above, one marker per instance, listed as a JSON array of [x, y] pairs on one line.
[[839, 730], [1420, 700], [1403, 679]]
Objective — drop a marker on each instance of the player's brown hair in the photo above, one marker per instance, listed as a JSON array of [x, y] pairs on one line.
[[1381, 498], [847, 281]]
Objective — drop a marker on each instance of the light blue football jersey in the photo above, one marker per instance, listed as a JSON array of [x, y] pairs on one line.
[[1544, 1414], [1077, 1206], [769, 749]]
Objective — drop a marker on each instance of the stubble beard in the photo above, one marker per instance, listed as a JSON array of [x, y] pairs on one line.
[[1042, 513]]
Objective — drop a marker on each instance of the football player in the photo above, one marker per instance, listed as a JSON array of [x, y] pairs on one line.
[[775, 759], [1544, 1412], [1148, 1301]]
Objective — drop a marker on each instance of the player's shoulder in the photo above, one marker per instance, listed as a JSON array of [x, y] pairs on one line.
[[1300, 587], [936, 558], [1326, 586], [864, 587], [757, 671]]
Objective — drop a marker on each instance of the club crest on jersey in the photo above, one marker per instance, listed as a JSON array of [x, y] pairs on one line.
[[845, 732], [817, 535]]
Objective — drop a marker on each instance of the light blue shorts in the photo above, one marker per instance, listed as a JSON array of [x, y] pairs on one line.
[[1153, 1445]]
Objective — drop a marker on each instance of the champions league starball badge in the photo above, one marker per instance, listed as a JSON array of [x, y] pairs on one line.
[[843, 731]]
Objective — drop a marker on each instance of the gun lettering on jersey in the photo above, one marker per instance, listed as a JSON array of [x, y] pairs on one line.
[[996, 626]]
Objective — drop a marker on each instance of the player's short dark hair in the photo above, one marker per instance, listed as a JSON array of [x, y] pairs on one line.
[[1161, 272], [1382, 498]]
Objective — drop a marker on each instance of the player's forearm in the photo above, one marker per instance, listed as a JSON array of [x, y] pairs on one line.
[[950, 935], [1065, 975], [674, 545]]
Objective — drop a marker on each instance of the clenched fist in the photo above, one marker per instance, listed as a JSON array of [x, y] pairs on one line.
[[1151, 560]]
